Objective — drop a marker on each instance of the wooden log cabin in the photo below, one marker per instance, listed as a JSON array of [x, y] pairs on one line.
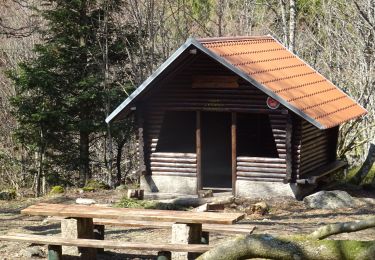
[[242, 114]]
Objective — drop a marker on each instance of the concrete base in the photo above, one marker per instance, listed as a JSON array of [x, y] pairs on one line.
[[169, 184], [176, 186], [257, 189]]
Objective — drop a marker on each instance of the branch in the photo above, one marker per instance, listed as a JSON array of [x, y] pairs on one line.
[[345, 227]]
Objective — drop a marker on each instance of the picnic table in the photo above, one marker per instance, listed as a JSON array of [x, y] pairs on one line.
[[187, 227]]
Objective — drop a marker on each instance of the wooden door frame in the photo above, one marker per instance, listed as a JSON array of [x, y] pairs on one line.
[[198, 135]]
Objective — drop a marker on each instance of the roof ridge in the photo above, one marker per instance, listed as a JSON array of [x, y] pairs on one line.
[[233, 38]]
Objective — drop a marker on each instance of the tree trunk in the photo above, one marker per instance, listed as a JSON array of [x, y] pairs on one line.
[[366, 166], [292, 24], [39, 173], [285, 26], [84, 169], [118, 160]]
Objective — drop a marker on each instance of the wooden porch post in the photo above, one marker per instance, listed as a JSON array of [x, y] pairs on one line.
[[289, 155], [198, 150], [234, 151]]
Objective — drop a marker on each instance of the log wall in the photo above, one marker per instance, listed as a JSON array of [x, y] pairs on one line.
[[312, 147], [265, 168], [178, 94]]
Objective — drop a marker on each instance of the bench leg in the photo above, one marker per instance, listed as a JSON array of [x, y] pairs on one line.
[[54, 252], [79, 228], [99, 235], [186, 234]]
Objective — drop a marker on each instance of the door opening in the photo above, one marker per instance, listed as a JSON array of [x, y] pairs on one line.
[[216, 150]]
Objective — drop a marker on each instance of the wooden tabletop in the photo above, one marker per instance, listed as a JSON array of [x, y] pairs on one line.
[[84, 211]]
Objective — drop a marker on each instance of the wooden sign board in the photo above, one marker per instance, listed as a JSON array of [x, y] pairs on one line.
[[206, 81]]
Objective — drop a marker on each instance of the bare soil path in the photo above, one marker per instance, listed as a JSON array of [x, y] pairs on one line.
[[286, 216]]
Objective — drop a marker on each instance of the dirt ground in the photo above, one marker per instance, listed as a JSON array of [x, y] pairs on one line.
[[286, 216]]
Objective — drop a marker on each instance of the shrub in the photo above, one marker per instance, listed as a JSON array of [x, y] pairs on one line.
[[8, 195], [94, 185], [57, 190]]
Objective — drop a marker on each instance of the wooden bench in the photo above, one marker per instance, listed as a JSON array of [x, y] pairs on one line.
[[55, 243], [315, 175]]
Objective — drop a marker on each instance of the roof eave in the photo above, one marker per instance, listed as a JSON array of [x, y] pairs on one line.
[[148, 81]]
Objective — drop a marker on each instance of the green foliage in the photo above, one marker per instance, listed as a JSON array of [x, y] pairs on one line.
[[147, 204], [62, 95], [8, 194], [94, 185], [57, 190], [201, 9]]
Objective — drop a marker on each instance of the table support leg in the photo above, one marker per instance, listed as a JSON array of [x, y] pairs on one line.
[[99, 235], [186, 234], [79, 228]]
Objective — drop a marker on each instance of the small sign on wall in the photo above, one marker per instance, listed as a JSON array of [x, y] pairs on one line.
[[272, 103]]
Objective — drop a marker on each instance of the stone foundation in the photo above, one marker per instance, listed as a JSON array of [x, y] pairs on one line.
[[258, 189], [169, 184], [244, 188]]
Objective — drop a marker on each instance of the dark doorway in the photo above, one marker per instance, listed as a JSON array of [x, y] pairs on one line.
[[216, 150]]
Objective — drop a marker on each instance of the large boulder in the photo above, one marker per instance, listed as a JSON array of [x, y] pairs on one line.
[[330, 200]]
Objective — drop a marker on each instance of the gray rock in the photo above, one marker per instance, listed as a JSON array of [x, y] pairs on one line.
[[85, 201], [32, 252], [336, 199]]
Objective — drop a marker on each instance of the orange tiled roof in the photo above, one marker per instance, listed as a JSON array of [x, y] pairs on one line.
[[269, 63]]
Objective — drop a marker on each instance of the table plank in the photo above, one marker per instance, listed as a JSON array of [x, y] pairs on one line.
[[85, 211]]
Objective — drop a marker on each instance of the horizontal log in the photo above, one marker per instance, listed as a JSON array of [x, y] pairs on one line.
[[174, 160], [307, 153], [174, 155], [307, 156], [321, 159], [266, 165], [310, 144], [182, 174], [260, 159], [174, 165], [261, 174], [259, 179], [172, 169], [260, 169]]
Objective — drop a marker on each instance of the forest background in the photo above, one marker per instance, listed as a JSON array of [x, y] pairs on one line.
[[66, 64]]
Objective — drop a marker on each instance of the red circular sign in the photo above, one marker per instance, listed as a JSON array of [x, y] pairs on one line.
[[272, 103]]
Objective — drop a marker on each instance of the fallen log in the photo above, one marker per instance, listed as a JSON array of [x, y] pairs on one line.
[[290, 248], [310, 247], [195, 202]]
